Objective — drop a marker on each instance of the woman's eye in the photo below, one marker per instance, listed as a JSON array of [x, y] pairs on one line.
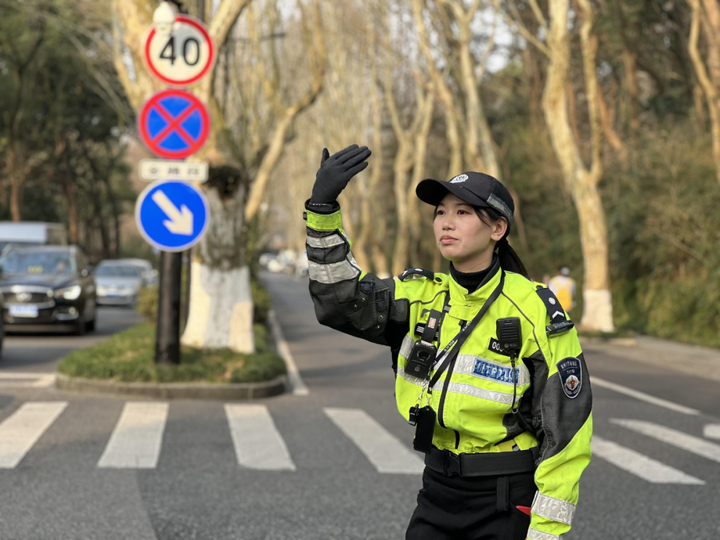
[[462, 212]]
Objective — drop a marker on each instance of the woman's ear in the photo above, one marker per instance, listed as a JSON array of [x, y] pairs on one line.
[[499, 229]]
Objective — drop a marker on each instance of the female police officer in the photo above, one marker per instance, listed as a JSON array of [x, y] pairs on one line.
[[489, 369]]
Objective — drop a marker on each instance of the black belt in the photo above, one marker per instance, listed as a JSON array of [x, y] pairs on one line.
[[488, 464]]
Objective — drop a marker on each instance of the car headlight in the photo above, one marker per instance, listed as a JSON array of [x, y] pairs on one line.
[[69, 293], [101, 290]]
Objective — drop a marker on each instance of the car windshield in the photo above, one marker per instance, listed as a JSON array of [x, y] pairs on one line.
[[38, 262], [117, 271]]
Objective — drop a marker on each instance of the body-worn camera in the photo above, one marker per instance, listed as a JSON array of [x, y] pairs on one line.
[[421, 359], [422, 356]]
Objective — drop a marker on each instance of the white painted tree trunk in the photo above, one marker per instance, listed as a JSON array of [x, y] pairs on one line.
[[222, 309], [597, 310], [221, 306]]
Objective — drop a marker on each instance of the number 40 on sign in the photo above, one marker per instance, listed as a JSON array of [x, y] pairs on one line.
[[181, 53]]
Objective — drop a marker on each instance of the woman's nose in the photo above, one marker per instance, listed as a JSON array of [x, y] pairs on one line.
[[448, 223]]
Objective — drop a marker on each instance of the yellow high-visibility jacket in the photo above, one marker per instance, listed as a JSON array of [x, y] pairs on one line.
[[472, 398]]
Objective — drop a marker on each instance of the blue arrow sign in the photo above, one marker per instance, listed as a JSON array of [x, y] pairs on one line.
[[172, 215]]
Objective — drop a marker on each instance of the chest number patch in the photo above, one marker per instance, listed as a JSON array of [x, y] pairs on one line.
[[570, 373], [495, 347]]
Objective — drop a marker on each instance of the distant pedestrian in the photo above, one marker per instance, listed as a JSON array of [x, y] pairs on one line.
[[564, 288], [488, 369]]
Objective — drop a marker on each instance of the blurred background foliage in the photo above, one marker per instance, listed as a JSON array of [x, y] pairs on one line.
[[66, 140]]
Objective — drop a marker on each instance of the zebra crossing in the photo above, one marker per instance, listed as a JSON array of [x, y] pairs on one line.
[[137, 439]]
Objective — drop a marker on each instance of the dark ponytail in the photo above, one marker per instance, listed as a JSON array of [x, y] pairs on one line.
[[509, 260]]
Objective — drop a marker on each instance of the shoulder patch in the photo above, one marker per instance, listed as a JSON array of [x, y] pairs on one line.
[[570, 373], [410, 273]]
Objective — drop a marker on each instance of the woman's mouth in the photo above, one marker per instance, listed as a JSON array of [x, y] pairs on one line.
[[447, 240]]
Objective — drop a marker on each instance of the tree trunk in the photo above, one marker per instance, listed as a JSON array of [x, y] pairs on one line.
[[709, 88], [16, 182], [402, 238], [597, 314], [115, 213], [222, 307], [597, 301], [69, 189]]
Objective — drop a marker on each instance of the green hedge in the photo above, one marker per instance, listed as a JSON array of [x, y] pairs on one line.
[[128, 356]]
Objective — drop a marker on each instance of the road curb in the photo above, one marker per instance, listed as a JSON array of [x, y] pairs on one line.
[[208, 391]]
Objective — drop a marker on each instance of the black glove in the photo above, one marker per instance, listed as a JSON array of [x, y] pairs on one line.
[[336, 171]]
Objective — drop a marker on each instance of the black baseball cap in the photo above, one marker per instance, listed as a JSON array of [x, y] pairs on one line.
[[477, 189]]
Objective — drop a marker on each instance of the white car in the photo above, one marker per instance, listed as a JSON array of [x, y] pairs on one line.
[[118, 283]]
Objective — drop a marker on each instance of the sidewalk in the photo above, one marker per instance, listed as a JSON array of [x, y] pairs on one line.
[[682, 357]]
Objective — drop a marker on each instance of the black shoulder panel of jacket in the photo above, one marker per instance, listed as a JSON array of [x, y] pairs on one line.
[[559, 323], [416, 272]]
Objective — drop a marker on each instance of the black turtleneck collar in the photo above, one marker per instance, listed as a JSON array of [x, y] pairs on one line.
[[473, 280]]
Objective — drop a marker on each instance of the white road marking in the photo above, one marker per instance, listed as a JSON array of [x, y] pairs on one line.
[[642, 396], [258, 444], [296, 383], [136, 441], [26, 380], [384, 451], [681, 440], [640, 465], [712, 431], [20, 431]]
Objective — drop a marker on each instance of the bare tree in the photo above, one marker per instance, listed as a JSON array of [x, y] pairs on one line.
[[580, 180], [707, 14]]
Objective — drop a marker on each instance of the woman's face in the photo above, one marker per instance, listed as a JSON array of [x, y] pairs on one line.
[[462, 237]]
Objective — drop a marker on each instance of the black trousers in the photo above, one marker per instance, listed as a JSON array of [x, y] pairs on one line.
[[484, 508]]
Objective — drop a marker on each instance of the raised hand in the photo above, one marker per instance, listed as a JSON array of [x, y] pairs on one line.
[[336, 171]]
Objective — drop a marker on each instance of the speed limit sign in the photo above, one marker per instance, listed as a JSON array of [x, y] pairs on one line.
[[180, 54]]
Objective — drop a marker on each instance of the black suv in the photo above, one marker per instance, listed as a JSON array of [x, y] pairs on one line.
[[47, 286]]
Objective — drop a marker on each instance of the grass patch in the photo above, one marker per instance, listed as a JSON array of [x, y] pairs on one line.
[[129, 356]]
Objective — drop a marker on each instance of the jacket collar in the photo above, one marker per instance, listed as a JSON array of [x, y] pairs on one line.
[[464, 304]]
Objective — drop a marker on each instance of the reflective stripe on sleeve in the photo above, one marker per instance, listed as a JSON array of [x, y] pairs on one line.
[[534, 534], [552, 508], [325, 241], [332, 273], [482, 368]]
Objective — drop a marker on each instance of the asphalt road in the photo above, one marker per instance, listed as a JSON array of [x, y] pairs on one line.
[[323, 465], [40, 352]]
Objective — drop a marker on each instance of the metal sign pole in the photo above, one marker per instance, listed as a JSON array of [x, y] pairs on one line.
[[172, 214], [167, 343]]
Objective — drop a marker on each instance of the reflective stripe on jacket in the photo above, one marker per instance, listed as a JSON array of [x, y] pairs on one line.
[[473, 398]]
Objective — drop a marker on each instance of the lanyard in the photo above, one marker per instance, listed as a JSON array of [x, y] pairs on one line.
[[447, 355]]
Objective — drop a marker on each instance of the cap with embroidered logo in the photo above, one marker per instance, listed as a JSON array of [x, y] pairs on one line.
[[477, 189]]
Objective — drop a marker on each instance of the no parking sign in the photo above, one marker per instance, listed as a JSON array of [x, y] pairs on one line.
[[174, 124]]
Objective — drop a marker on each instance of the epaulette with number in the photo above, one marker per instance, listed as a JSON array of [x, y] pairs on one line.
[[559, 323], [416, 272]]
